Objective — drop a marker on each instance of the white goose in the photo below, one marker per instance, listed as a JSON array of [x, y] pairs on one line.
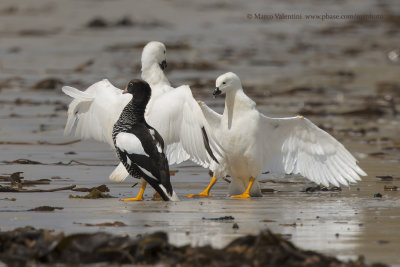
[[253, 142], [172, 111]]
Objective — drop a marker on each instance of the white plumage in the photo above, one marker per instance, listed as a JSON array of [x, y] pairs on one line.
[[130, 144], [94, 112], [173, 112], [299, 146], [148, 174], [178, 118], [253, 142], [119, 174]]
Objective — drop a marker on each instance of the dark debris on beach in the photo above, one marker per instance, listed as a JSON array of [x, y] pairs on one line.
[[28, 245], [93, 194]]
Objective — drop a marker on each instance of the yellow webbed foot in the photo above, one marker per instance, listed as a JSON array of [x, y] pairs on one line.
[[206, 192], [138, 198], [202, 194], [173, 172], [245, 195], [156, 196]]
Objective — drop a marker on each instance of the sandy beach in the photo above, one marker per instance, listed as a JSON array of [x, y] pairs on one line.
[[343, 74]]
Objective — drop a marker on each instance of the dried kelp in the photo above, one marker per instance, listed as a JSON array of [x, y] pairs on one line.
[[94, 194], [28, 245], [21, 190], [32, 162], [102, 188], [46, 208], [224, 218], [106, 224], [322, 188]]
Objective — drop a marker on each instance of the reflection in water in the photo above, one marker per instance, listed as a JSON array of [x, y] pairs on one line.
[[345, 224], [312, 220], [364, 225]]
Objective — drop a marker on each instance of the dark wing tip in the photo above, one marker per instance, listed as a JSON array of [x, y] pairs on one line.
[[207, 144]]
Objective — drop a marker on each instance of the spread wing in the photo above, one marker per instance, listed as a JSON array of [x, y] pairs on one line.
[[93, 113], [178, 118], [213, 118], [296, 145], [175, 115]]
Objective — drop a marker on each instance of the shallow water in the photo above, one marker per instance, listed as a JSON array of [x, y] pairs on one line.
[[325, 70]]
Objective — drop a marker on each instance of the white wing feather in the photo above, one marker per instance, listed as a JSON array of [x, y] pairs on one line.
[[94, 112], [176, 154], [179, 120], [213, 118], [296, 145], [119, 174], [130, 144], [75, 93]]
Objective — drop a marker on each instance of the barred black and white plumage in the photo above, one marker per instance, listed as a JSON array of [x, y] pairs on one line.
[[139, 146]]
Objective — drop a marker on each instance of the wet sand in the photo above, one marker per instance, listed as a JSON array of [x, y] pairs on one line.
[[337, 73]]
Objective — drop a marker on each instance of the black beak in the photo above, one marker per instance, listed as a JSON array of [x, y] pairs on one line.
[[163, 65], [216, 91]]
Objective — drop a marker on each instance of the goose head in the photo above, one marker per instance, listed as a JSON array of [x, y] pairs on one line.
[[226, 83], [154, 53], [140, 91]]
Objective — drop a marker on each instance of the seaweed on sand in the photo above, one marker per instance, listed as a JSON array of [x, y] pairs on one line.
[[42, 247]]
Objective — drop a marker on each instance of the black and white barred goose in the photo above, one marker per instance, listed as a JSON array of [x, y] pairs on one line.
[[139, 146]]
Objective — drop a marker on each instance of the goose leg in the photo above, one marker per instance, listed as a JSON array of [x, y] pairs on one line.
[[139, 196], [206, 192], [246, 193], [156, 196]]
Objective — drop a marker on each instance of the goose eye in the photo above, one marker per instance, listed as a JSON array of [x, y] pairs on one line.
[[164, 52], [130, 84], [224, 83]]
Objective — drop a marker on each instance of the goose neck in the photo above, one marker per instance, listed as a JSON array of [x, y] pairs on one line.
[[133, 113], [154, 75]]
